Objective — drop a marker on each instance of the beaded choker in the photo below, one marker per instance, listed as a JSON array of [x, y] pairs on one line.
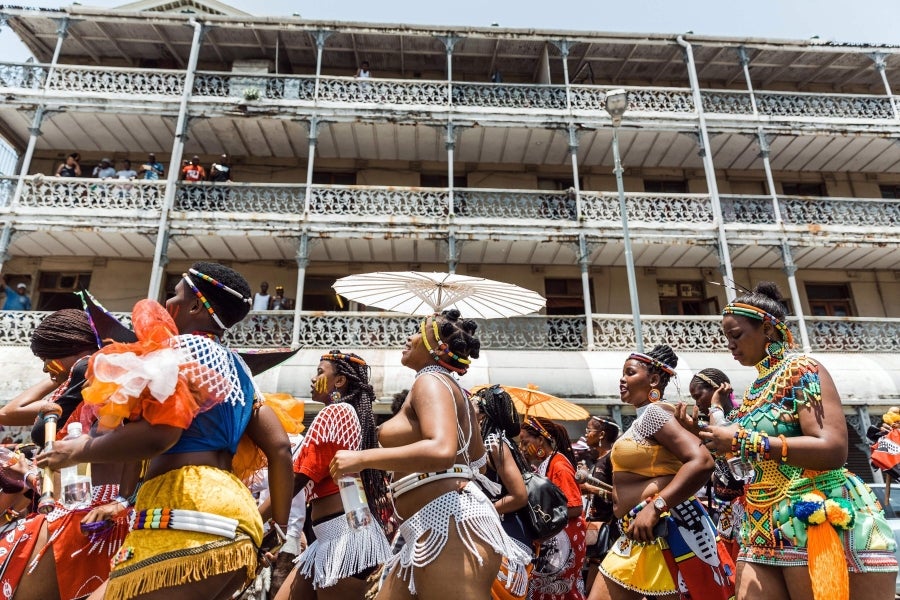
[[754, 312], [433, 369]]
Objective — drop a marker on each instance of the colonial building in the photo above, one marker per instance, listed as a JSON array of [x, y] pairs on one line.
[[358, 147]]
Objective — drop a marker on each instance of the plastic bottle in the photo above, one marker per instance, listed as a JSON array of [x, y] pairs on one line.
[[75, 480], [353, 497]]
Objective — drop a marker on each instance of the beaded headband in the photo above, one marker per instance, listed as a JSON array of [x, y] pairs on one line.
[[442, 347], [644, 358], [605, 421], [706, 379], [754, 312], [203, 300], [534, 424], [221, 286], [338, 356]]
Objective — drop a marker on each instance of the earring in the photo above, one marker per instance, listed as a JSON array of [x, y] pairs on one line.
[[654, 395], [335, 396], [541, 453], [775, 349]]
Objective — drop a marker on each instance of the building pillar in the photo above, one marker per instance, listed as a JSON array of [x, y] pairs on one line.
[[879, 60], [585, 264], [709, 170], [160, 259], [450, 145], [452, 251], [321, 36], [34, 132], [310, 162], [5, 239], [790, 269], [302, 262]]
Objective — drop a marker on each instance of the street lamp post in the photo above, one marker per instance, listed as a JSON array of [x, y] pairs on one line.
[[616, 104]]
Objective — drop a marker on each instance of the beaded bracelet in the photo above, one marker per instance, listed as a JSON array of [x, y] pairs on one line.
[[784, 448], [28, 474], [122, 500]]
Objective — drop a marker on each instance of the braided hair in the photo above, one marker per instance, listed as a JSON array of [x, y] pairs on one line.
[[459, 335], [360, 395], [66, 332], [500, 419], [560, 437], [229, 308], [717, 377], [666, 356]]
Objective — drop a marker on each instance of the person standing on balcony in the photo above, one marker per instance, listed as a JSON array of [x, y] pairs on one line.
[[193, 172], [262, 298], [811, 529], [70, 168], [105, 170], [220, 172], [152, 170], [453, 541], [279, 302], [16, 299], [363, 71]]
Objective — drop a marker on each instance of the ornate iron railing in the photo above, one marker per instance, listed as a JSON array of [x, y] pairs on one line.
[[510, 96], [96, 194], [271, 329], [138, 82], [284, 199], [797, 104], [804, 211], [22, 75]]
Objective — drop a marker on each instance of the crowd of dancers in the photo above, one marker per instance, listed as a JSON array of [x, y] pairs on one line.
[[720, 501]]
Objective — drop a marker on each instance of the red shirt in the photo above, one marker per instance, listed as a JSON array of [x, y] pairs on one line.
[[193, 172]]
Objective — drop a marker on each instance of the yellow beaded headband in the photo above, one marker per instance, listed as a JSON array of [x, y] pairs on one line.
[[706, 379], [754, 312]]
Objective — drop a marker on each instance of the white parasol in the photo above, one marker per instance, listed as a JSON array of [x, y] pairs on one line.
[[416, 293]]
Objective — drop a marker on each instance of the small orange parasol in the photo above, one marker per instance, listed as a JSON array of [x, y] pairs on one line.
[[532, 402]]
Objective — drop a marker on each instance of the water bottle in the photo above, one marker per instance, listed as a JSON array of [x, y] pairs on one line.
[[353, 497], [75, 480]]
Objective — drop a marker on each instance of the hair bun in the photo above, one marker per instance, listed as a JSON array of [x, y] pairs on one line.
[[770, 290]]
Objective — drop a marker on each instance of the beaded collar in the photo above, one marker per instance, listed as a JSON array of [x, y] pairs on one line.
[[433, 369], [756, 394]]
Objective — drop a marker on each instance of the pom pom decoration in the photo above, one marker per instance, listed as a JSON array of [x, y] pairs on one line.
[[827, 565]]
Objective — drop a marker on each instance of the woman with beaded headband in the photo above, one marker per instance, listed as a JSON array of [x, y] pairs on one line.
[[453, 540], [807, 521], [668, 542], [338, 562], [557, 570], [196, 531], [80, 541]]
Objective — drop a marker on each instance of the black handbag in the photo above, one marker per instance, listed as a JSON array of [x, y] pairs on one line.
[[546, 513]]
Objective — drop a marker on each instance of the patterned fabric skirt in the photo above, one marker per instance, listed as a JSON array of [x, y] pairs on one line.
[[557, 569], [152, 559]]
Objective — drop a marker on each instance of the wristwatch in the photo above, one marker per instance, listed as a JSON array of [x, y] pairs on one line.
[[659, 503]]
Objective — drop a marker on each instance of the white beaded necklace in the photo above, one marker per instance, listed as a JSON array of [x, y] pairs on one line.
[[433, 369]]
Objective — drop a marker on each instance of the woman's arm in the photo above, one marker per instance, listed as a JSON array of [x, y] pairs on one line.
[[516, 497], [436, 415], [267, 432], [24, 408], [133, 441]]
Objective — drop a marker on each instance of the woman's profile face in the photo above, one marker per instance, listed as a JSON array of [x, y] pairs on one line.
[[322, 384], [702, 395], [58, 368], [530, 444], [746, 339], [635, 383]]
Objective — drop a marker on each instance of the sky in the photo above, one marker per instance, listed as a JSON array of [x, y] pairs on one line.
[[870, 21]]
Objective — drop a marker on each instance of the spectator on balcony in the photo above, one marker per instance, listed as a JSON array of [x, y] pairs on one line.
[[193, 172], [70, 168], [262, 298], [126, 172], [279, 302], [105, 170], [152, 170], [16, 299], [496, 76], [220, 172], [363, 71]]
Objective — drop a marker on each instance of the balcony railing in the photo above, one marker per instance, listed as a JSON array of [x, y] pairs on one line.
[[270, 329], [587, 100], [55, 193], [806, 210]]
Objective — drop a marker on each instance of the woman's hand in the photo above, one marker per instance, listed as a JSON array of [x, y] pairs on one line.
[[344, 461], [641, 528], [720, 396], [688, 421], [104, 512], [62, 453], [718, 439]]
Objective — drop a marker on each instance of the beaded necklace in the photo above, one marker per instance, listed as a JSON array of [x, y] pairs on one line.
[[433, 369], [759, 391]]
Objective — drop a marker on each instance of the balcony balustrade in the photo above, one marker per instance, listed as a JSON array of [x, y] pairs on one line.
[[270, 329], [586, 100], [409, 207]]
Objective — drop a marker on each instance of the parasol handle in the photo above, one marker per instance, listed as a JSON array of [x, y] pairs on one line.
[[46, 503], [887, 489]]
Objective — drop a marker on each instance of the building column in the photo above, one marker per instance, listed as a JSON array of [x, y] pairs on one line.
[[5, 239], [709, 170], [585, 264], [564, 46], [450, 145], [160, 259], [302, 262], [879, 59], [62, 31], [321, 36], [310, 161], [452, 251], [790, 269]]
